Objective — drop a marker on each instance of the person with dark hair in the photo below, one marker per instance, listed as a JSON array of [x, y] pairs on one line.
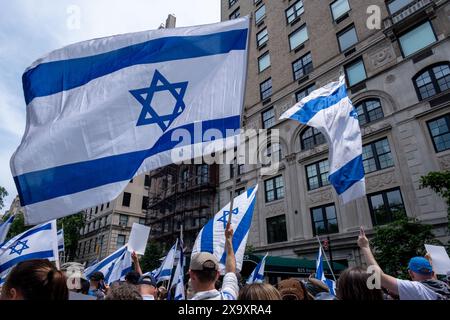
[[204, 273], [132, 277], [259, 291], [97, 285], [35, 280], [353, 285], [424, 285], [123, 291], [292, 289]]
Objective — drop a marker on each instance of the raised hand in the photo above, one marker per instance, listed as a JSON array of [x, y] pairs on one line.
[[363, 242], [229, 232]]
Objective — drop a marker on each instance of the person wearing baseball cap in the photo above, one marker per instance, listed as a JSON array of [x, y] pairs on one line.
[[424, 285], [97, 286], [147, 287], [204, 272]]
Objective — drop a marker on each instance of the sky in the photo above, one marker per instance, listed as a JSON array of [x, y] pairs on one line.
[[30, 29]]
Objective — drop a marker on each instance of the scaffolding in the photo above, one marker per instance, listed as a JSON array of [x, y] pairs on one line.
[[181, 195]]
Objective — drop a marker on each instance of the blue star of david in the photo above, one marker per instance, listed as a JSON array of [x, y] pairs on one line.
[[354, 114], [224, 218], [19, 251], [145, 97]]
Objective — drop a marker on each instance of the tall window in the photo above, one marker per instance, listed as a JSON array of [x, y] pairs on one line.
[[147, 181], [121, 240], [369, 110], [260, 14], [235, 14], [324, 220], [310, 138], [268, 118], [266, 89], [339, 8], [262, 37], [298, 37], [305, 92], [126, 199], [274, 189], [275, 150], [184, 178], [417, 38], [294, 11], [317, 174], [231, 3], [123, 220], [377, 156], [101, 208], [440, 132], [264, 62], [433, 80], [386, 206], [347, 38], [356, 72], [144, 203], [202, 173], [396, 5], [302, 66], [276, 229]]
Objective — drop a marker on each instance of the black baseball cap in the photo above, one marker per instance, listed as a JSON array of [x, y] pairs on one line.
[[148, 280], [97, 276]]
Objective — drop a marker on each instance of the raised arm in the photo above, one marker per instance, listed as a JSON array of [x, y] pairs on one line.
[[137, 265], [388, 282], [230, 263]]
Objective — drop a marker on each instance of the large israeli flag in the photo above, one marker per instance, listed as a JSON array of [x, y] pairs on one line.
[[257, 276], [212, 237], [114, 267], [103, 111], [320, 274], [39, 242], [164, 272], [4, 228], [330, 110]]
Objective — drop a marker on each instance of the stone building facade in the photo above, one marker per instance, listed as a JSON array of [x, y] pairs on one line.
[[398, 76]]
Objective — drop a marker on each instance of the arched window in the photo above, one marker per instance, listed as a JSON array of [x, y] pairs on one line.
[[433, 80], [369, 110], [310, 138]]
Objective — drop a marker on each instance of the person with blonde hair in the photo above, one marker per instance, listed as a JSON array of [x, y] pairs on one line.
[[259, 291]]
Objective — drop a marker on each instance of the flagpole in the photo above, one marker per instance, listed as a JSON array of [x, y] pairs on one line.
[[326, 258]]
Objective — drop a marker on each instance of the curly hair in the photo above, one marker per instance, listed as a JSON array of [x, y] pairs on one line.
[[123, 291]]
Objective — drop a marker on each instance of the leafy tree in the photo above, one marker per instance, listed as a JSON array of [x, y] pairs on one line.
[[17, 227], [150, 259], [72, 225], [3, 194], [397, 242]]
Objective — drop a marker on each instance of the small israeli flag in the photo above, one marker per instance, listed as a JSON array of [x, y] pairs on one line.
[[102, 111], [164, 272], [330, 110], [178, 277], [114, 267], [61, 240], [4, 228], [212, 237], [257, 275], [40, 242], [320, 274]]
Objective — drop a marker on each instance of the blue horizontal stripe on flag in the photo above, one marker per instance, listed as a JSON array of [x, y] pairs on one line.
[[107, 261], [53, 77], [47, 226], [35, 255], [61, 247], [34, 187], [312, 107], [165, 273], [348, 175]]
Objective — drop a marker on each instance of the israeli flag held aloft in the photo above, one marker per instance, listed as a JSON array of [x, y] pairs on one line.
[[164, 272], [212, 237], [61, 240], [330, 110], [114, 267], [39, 242], [4, 228], [257, 276], [320, 274], [178, 277], [103, 111]]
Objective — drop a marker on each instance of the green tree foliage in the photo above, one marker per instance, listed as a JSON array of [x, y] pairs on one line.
[[150, 259], [397, 242], [3, 194], [17, 227], [439, 182], [72, 225]]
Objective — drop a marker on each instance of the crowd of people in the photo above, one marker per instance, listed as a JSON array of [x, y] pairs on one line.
[[41, 280]]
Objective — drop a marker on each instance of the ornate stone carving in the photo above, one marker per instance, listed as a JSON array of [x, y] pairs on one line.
[[381, 181], [382, 57], [291, 158], [444, 162], [275, 208], [321, 196]]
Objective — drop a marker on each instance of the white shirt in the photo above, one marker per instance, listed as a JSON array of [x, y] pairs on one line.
[[148, 297], [229, 290], [414, 290]]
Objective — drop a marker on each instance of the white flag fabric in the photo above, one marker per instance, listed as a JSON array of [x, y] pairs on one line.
[[257, 275], [212, 237], [114, 267], [4, 228], [178, 276], [320, 274], [39, 242], [330, 110], [164, 272], [103, 111], [61, 240]]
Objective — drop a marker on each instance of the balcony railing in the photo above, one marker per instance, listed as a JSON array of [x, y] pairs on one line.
[[408, 11]]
